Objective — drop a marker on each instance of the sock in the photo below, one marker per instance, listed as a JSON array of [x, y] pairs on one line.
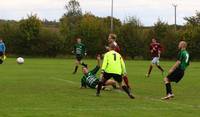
[[100, 84], [150, 69], [76, 68], [126, 89], [168, 88], [125, 78], [159, 67]]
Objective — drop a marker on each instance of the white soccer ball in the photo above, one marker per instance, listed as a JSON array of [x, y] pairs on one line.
[[20, 60]]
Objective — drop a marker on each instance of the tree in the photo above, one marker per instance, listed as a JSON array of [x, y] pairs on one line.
[[193, 20]]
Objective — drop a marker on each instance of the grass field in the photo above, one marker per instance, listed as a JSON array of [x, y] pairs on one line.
[[47, 88]]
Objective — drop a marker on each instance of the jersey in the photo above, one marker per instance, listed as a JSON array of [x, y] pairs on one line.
[[184, 58], [2, 47], [155, 48], [79, 49], [113, 63], [117, 49], [90, 78]]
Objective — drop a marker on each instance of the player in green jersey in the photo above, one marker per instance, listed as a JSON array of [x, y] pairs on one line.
[[176, 73], [80, 52], [90, 80], [113, 67]]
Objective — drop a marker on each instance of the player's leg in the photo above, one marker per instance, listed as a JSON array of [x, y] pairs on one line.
[[111, 83], [158, 65], [118, 78], [77, 62], [149, 71], [1, 57], [169, 93], [126, 81], [102, 82]]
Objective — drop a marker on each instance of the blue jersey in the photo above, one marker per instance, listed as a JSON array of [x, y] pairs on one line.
[[2, 47]]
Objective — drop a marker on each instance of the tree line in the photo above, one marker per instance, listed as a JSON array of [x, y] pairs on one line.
[[35, 37]]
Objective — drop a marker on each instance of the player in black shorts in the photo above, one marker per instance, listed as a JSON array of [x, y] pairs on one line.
[[176, 73], [80, 52]]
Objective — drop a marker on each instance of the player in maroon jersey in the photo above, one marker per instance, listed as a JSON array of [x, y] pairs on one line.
[[112, 39], [155, 50]]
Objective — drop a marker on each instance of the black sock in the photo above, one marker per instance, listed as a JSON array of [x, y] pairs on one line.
[[168, 88], [76, 68], [150, 69], [100, 84], [159, 67], [126, 89]]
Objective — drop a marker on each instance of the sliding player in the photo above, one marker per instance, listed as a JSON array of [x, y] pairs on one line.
[[112, 40], [176, 73], [2, 50], [155, 49], [90, 80], [80, 52], [113, 67]]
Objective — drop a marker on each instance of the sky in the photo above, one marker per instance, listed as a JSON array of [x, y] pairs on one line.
[[148, 11]]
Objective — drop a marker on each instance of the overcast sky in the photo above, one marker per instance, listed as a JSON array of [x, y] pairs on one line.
[[148, 11]]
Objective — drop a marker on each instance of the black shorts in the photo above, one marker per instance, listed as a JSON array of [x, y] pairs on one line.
[[176, 76], [79, 57], [1, 54], [116, 77]]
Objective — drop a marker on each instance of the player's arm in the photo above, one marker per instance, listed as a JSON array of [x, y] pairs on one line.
[[123, 67], [96, 69], [74, 50], [4, 49], [83, 83], [178, 62], [104, 65], [84, 50]]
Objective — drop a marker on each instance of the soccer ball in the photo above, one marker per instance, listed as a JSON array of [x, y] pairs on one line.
[[20, 60]]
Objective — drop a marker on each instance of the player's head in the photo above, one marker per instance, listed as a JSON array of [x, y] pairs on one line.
[[85, 70], [153, 40], [112, 37], [78, 40], [182, 45]]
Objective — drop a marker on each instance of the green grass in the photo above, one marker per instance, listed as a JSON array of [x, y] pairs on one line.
[[47, 88]]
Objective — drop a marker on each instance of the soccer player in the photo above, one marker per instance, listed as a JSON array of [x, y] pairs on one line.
[[90, 80], [2, 50], [112, 40], [155, 49], [113, 67], [80, 52], [176, 73]]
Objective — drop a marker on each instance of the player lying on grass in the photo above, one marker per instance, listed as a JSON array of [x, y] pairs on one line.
[[112, 40], [90, 80], [80, 52], [2, 51], [155, 50], [176, 73], [113, 67]]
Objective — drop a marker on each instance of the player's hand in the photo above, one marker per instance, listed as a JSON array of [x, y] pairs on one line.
[[85, 54], [72, 52], [98, 57], [107, 48]]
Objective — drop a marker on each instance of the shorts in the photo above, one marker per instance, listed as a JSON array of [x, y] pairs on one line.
[[1, 54], [79, 57], [155, 60], [116, 77], [176, 76]]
